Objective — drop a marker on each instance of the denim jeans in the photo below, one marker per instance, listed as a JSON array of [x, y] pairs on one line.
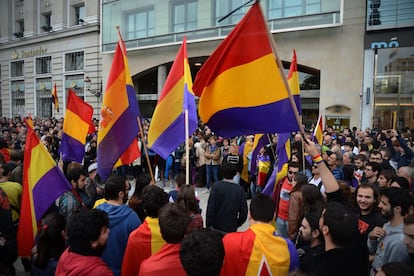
[[282, 227], [212, 172]]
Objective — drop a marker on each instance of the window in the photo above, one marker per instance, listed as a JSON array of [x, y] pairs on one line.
[[76, 83], [43, 65], [46, 23], [74, 61], [387, 14], [17, 97], [224, 7], [43, 97], [80, 14], [16, 69], [184, 16], [290, 8], [140, 24]]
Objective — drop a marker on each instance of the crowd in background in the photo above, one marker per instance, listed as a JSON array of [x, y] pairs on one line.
[[358, 182]]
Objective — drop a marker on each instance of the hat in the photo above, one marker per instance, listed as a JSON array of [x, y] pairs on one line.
[[98, 182], [92, 167]]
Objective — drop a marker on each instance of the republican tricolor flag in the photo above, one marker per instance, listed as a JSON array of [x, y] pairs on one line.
[[167, 128], [241, 87], [43, 182], [317, 135], [118, 126], [293, 81], [76, 126], [55, 99]]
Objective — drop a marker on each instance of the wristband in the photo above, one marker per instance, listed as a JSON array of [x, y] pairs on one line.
[[317, 159]]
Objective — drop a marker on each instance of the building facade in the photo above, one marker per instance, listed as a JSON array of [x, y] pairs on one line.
[[43, 43], [328, 36], [388, 100]]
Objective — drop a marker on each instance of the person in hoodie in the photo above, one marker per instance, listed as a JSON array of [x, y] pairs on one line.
[[87, 234], [122, 221]]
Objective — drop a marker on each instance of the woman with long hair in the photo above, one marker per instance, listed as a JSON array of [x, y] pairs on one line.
[[295, 205], [50, 244], [186, 198], [135, 202]]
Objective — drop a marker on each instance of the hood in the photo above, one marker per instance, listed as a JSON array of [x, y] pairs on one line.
[[116, 213]]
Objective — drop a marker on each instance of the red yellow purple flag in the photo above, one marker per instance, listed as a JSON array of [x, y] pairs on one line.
[[241, 88], [55, 99], [118, 127], [76, 126], [317, 136], [167, 128], [293, 81], [43, 182]]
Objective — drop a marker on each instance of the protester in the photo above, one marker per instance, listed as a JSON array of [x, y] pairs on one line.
[[202, 253], [122, 221], [51, 242], [258, 250], [146, 240], [187, 199], [226, 207], [8, 244], [87, 234], [173, 220]]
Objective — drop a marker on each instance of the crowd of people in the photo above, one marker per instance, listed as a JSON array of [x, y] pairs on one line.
[[344, 207]]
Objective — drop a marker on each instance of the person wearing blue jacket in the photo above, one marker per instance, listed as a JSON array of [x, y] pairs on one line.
[[122, 221]]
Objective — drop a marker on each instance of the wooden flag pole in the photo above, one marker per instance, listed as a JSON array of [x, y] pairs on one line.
[[144, 144], [187, 149]]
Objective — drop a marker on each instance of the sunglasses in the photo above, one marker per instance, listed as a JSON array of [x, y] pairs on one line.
[[290, 172]]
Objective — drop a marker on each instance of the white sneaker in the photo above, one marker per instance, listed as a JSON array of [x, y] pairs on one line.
[[206, 191]]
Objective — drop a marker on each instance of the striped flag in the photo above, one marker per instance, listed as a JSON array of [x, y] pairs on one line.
[[143, 242], [293, 81], [55, 99], [283, 153], [241, 88], [260, 141], [118, 126], [317, 135], [43, 182], [167, 128], [76, 126]]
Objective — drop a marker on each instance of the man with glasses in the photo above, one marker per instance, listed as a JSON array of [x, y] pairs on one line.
[[371, 173], [282, 195]]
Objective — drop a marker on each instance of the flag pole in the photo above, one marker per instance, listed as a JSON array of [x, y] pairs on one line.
[[280, 66], [144, 144], [187, 149]]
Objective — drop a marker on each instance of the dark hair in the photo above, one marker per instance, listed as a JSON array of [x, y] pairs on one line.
[[202, 253], [153, 199], [292, 164], [409, 219], [301, 180], [376, 167], [180, 180], [388, 174], [50, 239], [342, 223], [74, 173], [398, 197], [262, 208], [84, 227], [227, 170], [173, 220], [402, 181], [313, 219], [361, 157], [397, 269], [312, 199], [348, 170], [143, 179], [113, 185], [186, 198]]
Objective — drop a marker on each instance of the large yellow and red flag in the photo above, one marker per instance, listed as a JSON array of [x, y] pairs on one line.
[[241, 89], [43, 182], [118, 127]]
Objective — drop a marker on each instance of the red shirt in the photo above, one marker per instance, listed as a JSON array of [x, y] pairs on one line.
[[73, 264], [283, 208], [143, 242], [164, 262]]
